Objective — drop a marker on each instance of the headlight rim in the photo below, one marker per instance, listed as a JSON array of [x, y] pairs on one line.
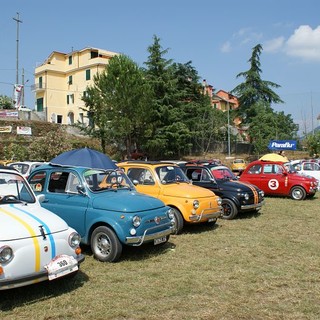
[[6, 260]]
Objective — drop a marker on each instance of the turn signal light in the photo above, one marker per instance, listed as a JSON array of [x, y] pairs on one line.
[[78, 250]]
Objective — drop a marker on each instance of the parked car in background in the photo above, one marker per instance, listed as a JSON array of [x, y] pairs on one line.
[[167, 182], [236, 196], [35, 244], [104, 207], [238, 166], [307, 168], [274, 179], [25, 167]]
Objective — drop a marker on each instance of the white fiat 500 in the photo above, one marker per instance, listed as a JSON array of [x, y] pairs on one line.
[[35, 244]]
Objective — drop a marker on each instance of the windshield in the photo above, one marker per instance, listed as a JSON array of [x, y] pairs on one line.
[[98, 180], [223, 173], [14, 189], [171, 174]]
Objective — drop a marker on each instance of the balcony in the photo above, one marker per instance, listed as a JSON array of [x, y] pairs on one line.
[[38, 87]]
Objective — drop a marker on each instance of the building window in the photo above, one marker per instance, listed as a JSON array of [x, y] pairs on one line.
[[59, 118], [94, 54], [70, 60], [88, 74], [81, 117], [40, 82], [70, 98], [40, 105], [70, 80]]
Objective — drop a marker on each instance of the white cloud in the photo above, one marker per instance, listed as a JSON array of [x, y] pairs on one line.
[[304, 43], [274, 45], [226, 47]]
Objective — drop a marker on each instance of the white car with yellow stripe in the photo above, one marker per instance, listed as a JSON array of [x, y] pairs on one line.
[[35, 244]]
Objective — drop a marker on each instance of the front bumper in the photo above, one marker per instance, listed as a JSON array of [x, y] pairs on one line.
[[31, 278], [139, 240], [205, 216], [253, 206]]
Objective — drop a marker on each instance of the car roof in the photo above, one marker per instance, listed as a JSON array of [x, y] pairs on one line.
[[151, 163]]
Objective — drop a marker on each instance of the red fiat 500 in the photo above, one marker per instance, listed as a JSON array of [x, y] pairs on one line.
[[274, 179]]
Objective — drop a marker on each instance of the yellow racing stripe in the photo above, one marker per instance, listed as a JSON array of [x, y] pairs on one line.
[[32, 234], [253, 189]]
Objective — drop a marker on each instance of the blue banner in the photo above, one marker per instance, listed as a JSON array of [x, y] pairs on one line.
[[282, 145]]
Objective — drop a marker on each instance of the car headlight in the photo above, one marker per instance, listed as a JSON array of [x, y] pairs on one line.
[[136, 221], [262, 193], [196, 204], [74, 239], [246, 196], [170, 214], [6, 254]]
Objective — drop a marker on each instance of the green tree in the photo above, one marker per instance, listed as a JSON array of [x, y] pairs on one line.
[[117, 104], [202, 121], [268, 125], [312, 143], [6, 102], [50, 145], [164, 112], [254, 90]]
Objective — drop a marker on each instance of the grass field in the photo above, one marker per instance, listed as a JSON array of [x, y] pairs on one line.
[[258, 266]]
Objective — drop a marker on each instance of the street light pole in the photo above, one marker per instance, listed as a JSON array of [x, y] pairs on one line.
[[17, 60], [228, 107]]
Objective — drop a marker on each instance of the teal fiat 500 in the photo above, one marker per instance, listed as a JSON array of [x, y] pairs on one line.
[[104, 207]]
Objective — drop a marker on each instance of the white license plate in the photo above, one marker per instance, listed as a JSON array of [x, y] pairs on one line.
[[211, 219], [160, 240], [60, 266]]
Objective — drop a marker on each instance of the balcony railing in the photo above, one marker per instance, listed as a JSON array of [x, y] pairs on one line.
[[38, 86]]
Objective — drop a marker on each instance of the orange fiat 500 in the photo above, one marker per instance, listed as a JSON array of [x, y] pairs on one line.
[[166, 181]]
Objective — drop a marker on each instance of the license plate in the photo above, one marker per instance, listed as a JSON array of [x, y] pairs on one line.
[[60, 266], [211, 219], [160, 240]]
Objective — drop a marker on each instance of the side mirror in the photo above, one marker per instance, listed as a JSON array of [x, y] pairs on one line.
[[81, 190], [135, 182], [41, 198]]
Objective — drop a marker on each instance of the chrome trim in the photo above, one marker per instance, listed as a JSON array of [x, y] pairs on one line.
[[252, 206], [206, 216], [139, 240], [30, 279]]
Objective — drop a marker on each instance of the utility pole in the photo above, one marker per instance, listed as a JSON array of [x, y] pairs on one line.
[[228, 107], [17, 61]]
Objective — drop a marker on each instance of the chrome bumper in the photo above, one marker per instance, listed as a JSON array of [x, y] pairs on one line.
[[139, 240], [30, 279], [203, 216], [256, 206]]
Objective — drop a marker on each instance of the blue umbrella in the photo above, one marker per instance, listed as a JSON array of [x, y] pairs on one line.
[[84, 157]]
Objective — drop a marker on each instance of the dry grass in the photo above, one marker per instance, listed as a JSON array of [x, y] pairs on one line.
[[263, 266]]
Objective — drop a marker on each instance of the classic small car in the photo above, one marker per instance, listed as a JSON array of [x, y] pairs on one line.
[[275, 180], [35, 244], [306, 168], [238, 165], [104, 207], [236, 196], [25, 167], [166, 181]]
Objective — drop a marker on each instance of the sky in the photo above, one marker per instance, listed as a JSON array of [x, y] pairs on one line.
[[216, 36]]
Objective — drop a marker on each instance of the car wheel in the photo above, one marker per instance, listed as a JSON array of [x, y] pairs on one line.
[[298, 193], [178, 220], [229, 209], [105, 245]]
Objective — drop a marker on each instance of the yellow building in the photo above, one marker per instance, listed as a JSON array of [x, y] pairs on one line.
[[61, 81]]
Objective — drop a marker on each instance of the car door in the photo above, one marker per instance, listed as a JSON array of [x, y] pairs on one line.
[[201, 177], [145, 181], [62, 196], [274, 180]]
